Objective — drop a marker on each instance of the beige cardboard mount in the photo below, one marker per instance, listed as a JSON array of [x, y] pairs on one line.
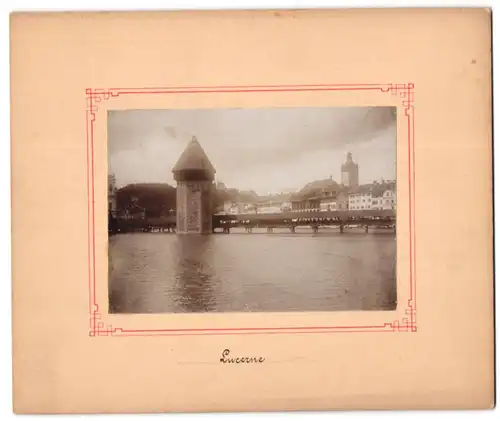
[[434, 351]]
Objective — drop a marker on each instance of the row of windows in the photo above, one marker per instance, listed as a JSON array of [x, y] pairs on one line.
[[357, 196], [367, 207]]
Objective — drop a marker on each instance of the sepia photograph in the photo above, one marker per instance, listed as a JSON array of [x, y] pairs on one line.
[[252, 210]]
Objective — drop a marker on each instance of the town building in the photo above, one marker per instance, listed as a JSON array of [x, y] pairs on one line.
[[360, 198], [384, 195], [286, 206], [231, 207], [378, 190], [328, 200], [315, 196], [377, 200], [297, 202], [324, 195], [237, 208], [250, 208], [194, 174], [375, 196], [275, 203], [269, 207], [343, 201], [327, 195], [219, 185], [261, 204], [389, 197]]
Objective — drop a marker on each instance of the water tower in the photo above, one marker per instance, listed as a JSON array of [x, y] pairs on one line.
[[194, 174]]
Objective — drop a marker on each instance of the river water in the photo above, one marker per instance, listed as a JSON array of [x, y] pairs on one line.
[[239, 272]]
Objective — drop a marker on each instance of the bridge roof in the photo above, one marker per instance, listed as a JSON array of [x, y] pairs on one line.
[[193, 158], [314, 214]]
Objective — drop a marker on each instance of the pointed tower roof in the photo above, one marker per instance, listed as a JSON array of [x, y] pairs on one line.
[[349, 163], [194, 158]]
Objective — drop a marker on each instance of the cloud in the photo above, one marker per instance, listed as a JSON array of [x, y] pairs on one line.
[[143, 145]]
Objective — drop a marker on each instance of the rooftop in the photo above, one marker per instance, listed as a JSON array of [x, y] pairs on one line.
[[376, 189], [326, 184], [193, 158]]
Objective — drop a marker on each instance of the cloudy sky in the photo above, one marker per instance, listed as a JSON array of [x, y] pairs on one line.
[[268, 150]]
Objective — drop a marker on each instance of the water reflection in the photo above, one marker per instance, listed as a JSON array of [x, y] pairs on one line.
[[156, 273], [195, 288]]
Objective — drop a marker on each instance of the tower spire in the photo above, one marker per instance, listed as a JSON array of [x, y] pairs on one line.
[[349, 172], [194, 158]]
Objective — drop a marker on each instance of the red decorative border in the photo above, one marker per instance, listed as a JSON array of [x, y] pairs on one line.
[[95, 96]]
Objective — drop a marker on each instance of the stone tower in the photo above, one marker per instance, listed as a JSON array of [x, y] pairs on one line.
[[349, 172], [194, 174]]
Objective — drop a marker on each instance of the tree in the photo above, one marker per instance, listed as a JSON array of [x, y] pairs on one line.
[[156, 198]]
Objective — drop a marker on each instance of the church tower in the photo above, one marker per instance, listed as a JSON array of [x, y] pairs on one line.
[[349, 170], [194, 174]]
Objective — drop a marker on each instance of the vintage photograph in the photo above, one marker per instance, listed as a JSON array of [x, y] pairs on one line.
[[252, 210]]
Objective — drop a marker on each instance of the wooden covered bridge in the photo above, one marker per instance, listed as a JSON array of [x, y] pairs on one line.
[[290, 220]]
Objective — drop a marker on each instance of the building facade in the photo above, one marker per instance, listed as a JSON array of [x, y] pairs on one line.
[[360, 198], [328, 201], [319, 195], [238, 208], [377, 201], [342, 201], [286, 206], [269, 207], [275, 203], [231, 207], [377, 194], [389, 198]]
